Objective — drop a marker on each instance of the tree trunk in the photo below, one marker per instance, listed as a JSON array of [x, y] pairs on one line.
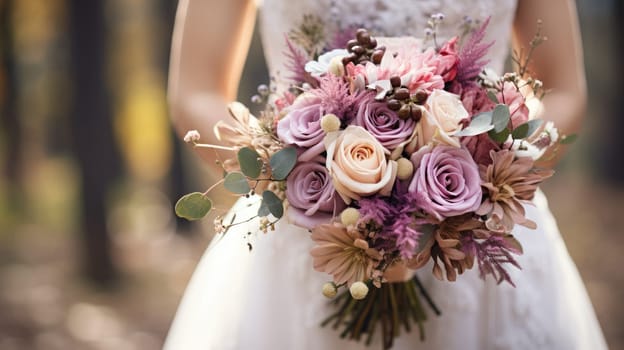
[[9, 120], [92, 133]]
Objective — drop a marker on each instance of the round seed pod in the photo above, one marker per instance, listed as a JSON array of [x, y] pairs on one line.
[[377, 56], [402, 94], [405, 111], [394, 104], [395, 81]]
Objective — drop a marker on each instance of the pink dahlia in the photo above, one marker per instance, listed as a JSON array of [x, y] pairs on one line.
[[343, 253], [508, 183]]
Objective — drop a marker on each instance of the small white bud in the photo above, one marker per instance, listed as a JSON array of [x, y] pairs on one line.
[[330, 122], [537, 84], [349, 216], [330, 290], [358, 290], [405, 169], [192, 136], [336, 67]]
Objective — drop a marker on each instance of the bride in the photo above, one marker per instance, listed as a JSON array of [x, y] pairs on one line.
[[270, 297]]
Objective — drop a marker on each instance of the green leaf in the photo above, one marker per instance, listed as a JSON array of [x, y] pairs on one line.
[[492, 96], [533, 126], [236, 183], [273, 203], [193, 206], [527, 129], [500, 117], [263, 210], [283, 162], [499, 137], [478, 125], [250, 162], [568, 139]]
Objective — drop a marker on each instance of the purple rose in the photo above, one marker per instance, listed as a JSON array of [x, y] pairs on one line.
[[446, 180], [311, 195], [302, 127], [383, 123]]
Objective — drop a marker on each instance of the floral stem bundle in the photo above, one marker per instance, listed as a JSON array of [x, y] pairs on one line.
[[386, 310]]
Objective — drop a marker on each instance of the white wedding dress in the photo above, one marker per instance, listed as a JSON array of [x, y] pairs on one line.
[[270, 297]]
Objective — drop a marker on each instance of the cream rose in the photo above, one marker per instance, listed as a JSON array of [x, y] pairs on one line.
[[442, 116], [358, 165]]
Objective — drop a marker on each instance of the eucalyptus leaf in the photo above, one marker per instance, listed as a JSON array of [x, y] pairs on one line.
[[236, 183], [499, 137], [521, 132], [263, 210], [527, 129], [273, 203], [492, 96], [283, 162], [250, 162], [500, 117], [193, 206], [568, 139], [478, 125]]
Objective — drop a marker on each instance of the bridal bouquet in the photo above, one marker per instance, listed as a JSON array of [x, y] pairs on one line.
[[396, 153]]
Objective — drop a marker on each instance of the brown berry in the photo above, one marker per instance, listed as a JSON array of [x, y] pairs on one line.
[[405, 111], [358, 50], [351, 43], [395, 81], [421, 96], [360, 32], [377, 56], [373, 43], [394, 104], [416, 113], [402, 94], [364, 38]]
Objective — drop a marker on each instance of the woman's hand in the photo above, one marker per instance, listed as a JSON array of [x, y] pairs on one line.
[[558, 62], [208, 51]]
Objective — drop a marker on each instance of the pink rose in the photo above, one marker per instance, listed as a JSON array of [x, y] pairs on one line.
[[515, 100], [358, 164], [448, 60], [443, 116]]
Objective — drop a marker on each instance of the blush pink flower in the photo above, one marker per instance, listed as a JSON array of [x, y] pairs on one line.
[[515, 100], [343, 253], [447, 60], [403, 58], [508, 183], [358, 164]]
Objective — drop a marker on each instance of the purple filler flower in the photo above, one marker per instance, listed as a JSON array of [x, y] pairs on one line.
[[447, 181], [383, 123], [311, 194], [302, 126]]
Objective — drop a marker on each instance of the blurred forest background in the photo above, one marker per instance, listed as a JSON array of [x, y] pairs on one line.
[[91, 254]]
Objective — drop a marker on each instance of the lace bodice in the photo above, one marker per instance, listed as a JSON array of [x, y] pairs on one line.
[[386, 18]]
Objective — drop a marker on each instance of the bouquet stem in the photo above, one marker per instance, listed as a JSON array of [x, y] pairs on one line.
[[394, 305]]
